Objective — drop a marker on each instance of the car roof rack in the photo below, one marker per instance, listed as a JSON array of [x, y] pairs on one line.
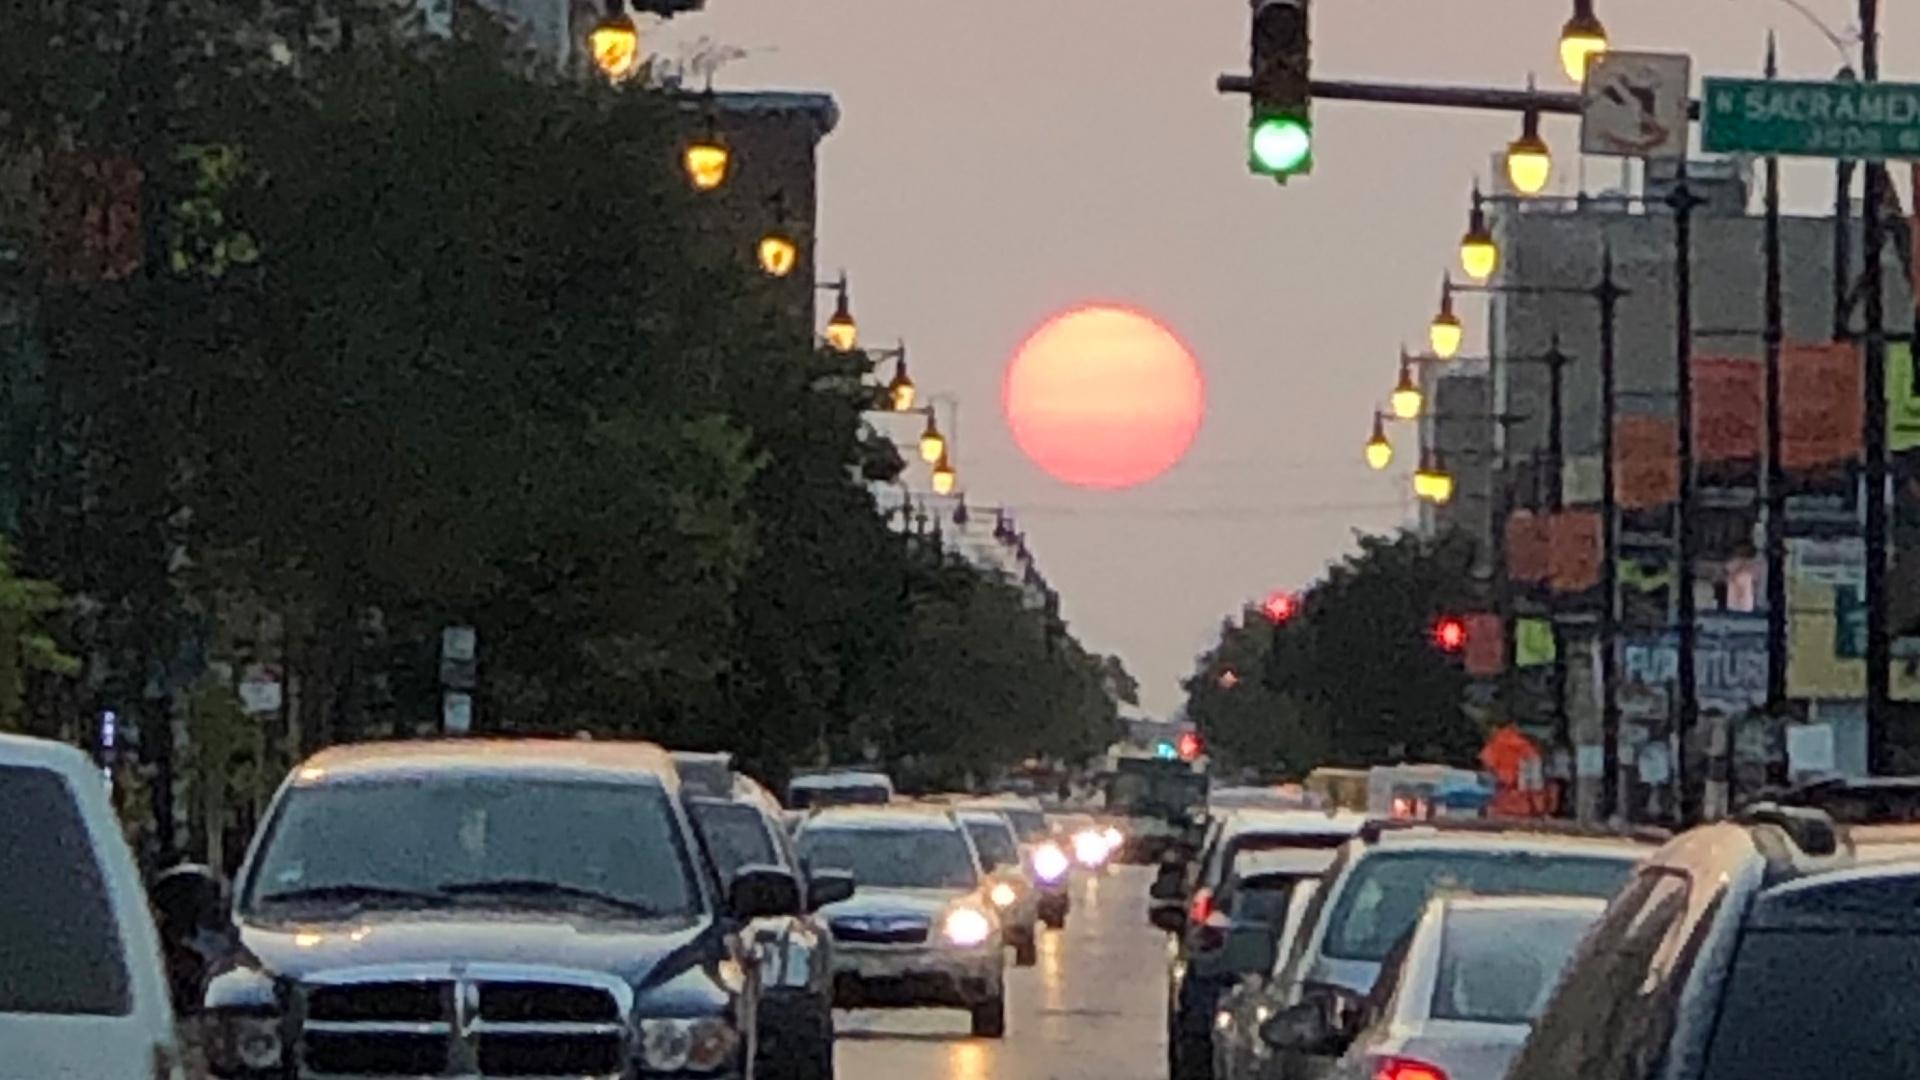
[[1811, 830], [1645, 834]]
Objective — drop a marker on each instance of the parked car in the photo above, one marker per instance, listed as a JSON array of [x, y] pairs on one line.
[[794, 951], [478, 907], [1752, 949], [1456, 998], [1380, 883], [1223, 910], [1238, 1049], [1013, 893], [1049, 864], [922, 931], [83, 991], [839, 787]]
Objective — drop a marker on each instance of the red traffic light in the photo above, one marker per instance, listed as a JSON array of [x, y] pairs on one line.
[[1450, 634], [1189, 745], [1279, 607]]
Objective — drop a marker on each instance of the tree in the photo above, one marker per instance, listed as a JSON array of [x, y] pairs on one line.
[[1352, 677]]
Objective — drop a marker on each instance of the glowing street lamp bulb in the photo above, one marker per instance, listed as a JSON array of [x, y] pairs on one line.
[[933, 446], [1281, 144], [1582, 40], [1406, 398], [1442, 487], [778, 254], [943, 477], [1479, 255], [614, 44], [1379, 450], [1529, 160], [842, 332], [900, 392], [706, 162]]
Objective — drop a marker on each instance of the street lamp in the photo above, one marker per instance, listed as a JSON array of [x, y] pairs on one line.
[[842, 332], [943, 477], [1582, 40], [614, 42], [1379, 450], [900, 389], [778, 253], [1431, 481], [1479, 255], [1529, 160], [933, 445], [1406, 398], [1445, 332]]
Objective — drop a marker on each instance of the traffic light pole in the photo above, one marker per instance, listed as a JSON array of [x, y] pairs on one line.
[[1442, 97], [1874, 438]]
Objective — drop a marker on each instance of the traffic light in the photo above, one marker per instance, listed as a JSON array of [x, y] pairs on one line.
[[1280, 133], [1278, 607], [1165, 750], [1450, 634], [1189, 746]]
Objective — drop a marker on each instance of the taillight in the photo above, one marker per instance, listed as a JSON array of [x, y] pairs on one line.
[[1200, 908], [1399, 1068]]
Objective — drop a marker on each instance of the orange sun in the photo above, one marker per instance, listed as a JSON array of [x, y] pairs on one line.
[[1104, 397]]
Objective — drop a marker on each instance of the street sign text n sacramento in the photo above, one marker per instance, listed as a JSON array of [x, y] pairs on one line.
[[1811, 119]]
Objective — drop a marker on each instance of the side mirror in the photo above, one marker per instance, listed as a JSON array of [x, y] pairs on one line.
[[1169, 917], [1306, 1028], [189, 910], [760, 891], [828, 887], [1170, 884]]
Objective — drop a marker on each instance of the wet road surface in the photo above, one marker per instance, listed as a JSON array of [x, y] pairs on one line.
[[1094, 1007]]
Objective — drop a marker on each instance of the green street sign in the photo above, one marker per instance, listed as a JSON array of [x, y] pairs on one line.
[[1810, 119]]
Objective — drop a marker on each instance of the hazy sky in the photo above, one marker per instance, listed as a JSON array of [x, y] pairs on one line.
[[1000, 159]]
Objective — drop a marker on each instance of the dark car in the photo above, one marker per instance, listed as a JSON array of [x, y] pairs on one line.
[[1373, 894], [1226, 914], [470, 908], [794, 951], [1753, 949]]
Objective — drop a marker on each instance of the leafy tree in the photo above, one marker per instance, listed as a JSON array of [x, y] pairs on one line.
[[1352, 678]]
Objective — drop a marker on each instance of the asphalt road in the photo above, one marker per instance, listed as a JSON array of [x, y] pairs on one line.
[[1094, 1007]]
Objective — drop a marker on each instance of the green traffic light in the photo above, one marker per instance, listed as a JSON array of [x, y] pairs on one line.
[[1281, 144]]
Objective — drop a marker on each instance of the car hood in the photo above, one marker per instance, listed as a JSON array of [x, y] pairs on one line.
[[870, 901], [640, 952]]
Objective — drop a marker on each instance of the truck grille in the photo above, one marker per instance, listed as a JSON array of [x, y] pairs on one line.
[[468, 1025], [880, 931]]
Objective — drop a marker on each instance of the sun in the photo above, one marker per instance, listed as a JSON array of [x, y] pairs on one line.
[[1103, 397]]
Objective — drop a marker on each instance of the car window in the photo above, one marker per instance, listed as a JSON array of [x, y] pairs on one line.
[[1613, 1011], [1498, 967], [437, 836], [1386, 892], [1805, 1003], [60, 946], [995, 842], [736, 835], [893, 858], [1031, 825], [1261, 899]]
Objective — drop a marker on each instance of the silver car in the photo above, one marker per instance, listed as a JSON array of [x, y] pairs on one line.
[[1460, 994]]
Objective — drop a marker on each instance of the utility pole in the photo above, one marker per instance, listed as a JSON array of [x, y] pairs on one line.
[[1776, 482], [1874, 438], [1683, 201], [1607, 294]]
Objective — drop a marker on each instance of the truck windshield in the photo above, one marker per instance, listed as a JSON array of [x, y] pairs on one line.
[[1167, 790], [430, 840]]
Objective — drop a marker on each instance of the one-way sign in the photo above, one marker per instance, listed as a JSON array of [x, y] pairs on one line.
[[1811, 119]]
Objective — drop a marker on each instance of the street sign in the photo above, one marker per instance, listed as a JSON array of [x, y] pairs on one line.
[[1635, 105], [1811, 119]]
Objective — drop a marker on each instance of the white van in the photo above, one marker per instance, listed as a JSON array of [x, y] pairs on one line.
[[82, 992]]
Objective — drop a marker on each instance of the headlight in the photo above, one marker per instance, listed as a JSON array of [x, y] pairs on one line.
[[704, 1045], [966, 927], [1090, 848], [1113, 837], [1049, 862], [1002, 895], [244, 1042]]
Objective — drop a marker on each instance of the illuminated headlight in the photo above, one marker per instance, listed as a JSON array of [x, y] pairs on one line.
[[1002, 895], [966, 927], [708, 1044], [243, 1043], [1050, 863], [1090, 848], [1113, 837]]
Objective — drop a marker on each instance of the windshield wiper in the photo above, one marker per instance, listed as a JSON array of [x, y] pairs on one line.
[[352, 890], [539, 887]]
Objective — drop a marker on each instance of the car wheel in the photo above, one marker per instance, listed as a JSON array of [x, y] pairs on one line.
[[1026, 951], [990, 1018]]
